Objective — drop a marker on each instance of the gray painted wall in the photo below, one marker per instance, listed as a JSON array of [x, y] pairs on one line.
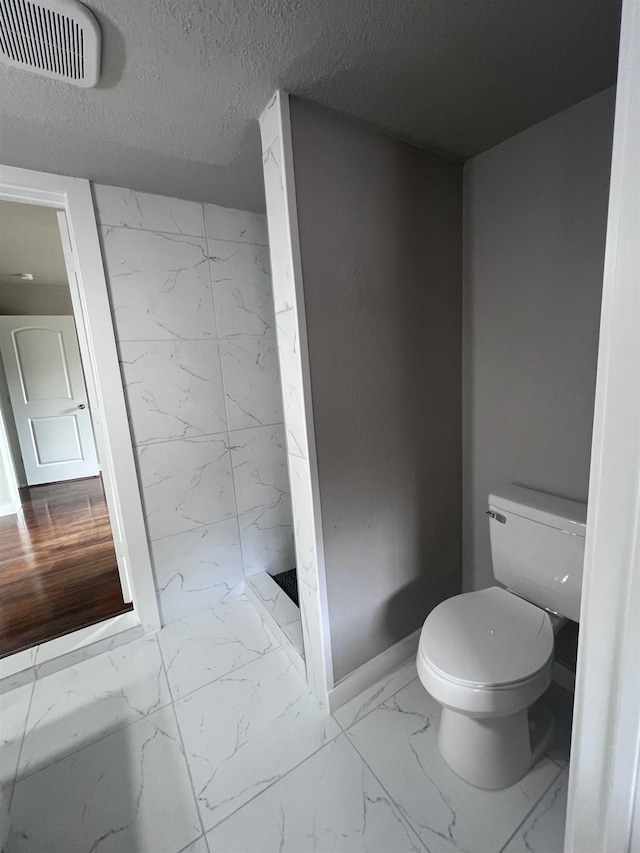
[[534, 235], [33, 299], [380, 235]]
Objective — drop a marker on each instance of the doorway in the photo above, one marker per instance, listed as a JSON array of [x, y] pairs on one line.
[[58, 564], [70, 201]]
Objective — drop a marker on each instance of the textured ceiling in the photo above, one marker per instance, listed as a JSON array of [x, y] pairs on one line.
[[30, 243], [183, 82]]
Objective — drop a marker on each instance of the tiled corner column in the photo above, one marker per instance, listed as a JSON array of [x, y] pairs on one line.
[[191, 299], [294, 368]]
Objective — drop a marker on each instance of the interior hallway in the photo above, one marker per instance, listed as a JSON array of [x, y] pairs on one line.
[[58, 569], [204, 737]]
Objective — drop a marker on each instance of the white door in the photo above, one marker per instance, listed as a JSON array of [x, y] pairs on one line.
[[48, 397]]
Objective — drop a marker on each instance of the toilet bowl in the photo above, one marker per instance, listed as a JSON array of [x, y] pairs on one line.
[[487, 656]]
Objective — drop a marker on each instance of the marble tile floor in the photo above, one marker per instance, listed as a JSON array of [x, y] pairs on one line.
[[204, 738]]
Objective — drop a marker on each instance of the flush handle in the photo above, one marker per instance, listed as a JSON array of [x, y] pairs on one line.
[[496, 516]]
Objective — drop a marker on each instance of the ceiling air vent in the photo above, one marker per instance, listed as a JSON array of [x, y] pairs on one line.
[[55, 38]]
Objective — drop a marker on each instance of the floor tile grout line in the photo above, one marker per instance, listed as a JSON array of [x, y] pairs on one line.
[[391, 696], [279, 779], [125, 725], [341, 731], [191, 843], [375, 707], [261, 657], [532, 809], [224, 674], [121, 727], [128, 723], [397, 806], [86, 650], [182, 744], [24, 734]]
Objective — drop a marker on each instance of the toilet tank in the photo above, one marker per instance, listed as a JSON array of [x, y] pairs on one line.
[[537, 547]]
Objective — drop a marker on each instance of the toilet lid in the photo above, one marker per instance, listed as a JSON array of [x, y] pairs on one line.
[[487, 638]]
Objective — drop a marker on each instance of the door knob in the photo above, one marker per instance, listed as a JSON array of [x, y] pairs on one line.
[[82, 406]]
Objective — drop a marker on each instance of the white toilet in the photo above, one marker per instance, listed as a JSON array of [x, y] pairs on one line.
[[486, 656]]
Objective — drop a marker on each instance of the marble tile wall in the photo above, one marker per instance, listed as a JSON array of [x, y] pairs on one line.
[[191, 298]]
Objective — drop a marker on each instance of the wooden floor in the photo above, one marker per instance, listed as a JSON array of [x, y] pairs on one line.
[[58, 569]]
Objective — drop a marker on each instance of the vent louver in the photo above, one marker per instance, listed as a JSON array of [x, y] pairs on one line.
[[56, 38]]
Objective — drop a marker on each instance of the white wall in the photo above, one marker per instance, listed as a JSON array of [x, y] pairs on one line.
[[535, 211], [191, 299]]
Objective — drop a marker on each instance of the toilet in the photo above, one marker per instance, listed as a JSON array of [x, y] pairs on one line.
[[487, 656]]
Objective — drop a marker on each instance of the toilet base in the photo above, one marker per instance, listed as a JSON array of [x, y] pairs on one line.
[[495, 752]]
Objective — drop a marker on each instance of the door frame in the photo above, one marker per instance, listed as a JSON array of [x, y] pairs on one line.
[[6, 456], [98, 351], [605, 748]]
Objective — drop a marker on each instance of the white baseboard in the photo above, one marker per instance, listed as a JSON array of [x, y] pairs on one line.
[[563, 676], [11, 508], [369, 673], [366, 675]]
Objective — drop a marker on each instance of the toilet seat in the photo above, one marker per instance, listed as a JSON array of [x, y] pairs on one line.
[[489, 639], [486, 653], [483, 701]]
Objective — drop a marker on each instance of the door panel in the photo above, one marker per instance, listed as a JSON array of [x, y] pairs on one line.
[[48, 397], [56, 440], [42, 365]]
